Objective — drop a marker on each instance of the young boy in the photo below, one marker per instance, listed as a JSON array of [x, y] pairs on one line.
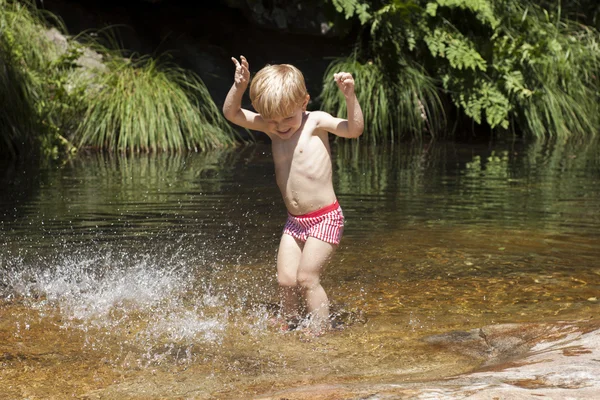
[[303, 172]]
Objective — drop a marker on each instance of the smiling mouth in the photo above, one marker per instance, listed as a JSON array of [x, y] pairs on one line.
[[284, 132]]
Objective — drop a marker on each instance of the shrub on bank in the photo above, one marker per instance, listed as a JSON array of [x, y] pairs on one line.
[[61, 103], [509, 66]]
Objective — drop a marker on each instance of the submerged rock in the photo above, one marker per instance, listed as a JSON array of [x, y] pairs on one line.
[[499, 343]]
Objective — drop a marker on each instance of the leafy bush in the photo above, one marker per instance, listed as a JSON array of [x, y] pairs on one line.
[[506, 64], [25, 71], [17, 114]]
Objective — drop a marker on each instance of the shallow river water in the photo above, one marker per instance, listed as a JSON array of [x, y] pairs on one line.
[[154, 276]]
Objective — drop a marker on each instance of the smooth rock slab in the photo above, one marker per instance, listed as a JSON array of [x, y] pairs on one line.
[[531, 361]]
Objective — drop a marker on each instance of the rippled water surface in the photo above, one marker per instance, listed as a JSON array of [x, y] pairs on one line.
[[154, 276]]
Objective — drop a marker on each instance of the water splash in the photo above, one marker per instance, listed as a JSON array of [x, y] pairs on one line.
[[143, 304]]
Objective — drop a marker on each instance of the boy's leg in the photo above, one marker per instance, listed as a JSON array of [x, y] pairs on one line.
[[315, 255], [288, 259]]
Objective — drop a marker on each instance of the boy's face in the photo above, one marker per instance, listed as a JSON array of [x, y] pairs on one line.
[[285, 126]]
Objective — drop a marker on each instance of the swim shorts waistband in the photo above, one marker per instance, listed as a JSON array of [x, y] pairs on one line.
[[319, 212]]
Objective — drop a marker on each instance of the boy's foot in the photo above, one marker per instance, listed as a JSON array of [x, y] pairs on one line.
[[291, 324], [311, 331], [314, 329], [337, 325]]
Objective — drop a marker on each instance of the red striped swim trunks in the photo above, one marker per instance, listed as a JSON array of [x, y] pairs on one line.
[[326, 224]]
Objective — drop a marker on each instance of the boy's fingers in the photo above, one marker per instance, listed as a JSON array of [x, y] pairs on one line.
[[237, 64], [341, 77]]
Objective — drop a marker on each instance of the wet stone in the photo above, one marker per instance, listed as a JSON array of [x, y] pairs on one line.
[[551, 361], [497, 343]]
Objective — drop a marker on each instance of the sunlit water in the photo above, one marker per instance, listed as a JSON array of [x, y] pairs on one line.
[[154, 276]]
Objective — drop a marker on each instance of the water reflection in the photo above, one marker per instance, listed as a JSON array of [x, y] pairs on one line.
[[511, 184], [118, 271]]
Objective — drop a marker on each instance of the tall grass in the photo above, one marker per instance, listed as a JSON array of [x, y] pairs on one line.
[[395, 103], [145, 105], [148, 104], [560, 63], [136, 104]]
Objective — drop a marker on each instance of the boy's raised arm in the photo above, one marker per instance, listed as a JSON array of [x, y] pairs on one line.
[[232, 108], [352, 127]]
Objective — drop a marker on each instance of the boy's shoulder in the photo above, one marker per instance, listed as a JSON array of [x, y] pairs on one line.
[[317, 115]]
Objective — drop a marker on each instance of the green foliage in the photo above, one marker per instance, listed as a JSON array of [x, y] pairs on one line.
[[506, 64], [351, 8], [397, 95], [144, 105], [586, 12], [53, 94], [23, 27], [559, 63], [17, 114], [459, 50], [406, 103], [482, 9], [464, 61], [30, 58], [483, 97]]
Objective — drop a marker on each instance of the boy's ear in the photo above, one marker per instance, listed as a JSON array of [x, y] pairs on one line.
[[305, 104]]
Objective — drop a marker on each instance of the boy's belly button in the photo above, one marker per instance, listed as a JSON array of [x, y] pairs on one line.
[[294, 198]]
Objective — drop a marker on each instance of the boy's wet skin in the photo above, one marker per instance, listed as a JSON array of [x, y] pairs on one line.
[[302, 158], [303, 168]]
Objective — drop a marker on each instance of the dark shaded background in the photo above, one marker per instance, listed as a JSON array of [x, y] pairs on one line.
[[203, 36]]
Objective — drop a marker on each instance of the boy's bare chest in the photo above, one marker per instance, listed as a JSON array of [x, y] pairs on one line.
[[305, 152]]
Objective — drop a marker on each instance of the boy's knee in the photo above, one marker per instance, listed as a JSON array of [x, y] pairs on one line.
[[287, 280], [308, 281]]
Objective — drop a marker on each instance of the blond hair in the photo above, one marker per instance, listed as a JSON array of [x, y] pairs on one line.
[[277, 90]]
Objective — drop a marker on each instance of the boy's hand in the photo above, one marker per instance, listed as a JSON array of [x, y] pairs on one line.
[[345, 82], [242, 71]]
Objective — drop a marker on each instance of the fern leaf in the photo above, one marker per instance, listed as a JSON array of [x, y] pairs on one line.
[[351, 8]]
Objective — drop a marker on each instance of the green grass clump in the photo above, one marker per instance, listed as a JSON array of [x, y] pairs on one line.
[[143, 105], [53, 104], [394, 104]]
